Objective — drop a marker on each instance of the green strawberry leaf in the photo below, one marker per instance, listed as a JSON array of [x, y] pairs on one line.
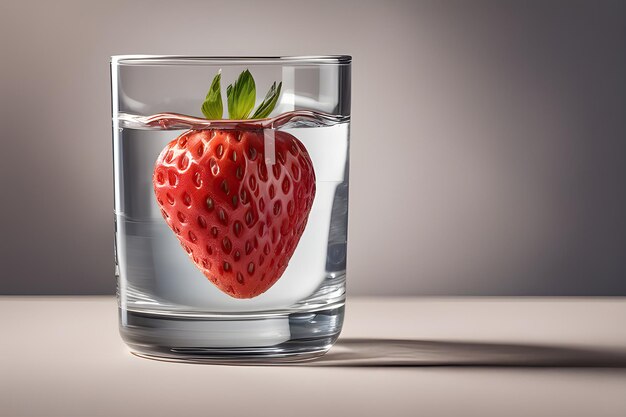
[[212, 108], [241, 96], [269, 102]]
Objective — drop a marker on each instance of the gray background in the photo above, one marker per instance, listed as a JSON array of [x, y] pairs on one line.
[[488, 152]]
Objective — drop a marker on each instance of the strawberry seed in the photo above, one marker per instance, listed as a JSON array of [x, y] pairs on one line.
[[222, 217], [286, 185], [224, 187], [197, 180], [262, 171], [187, 199], [276, 171], [183, 162], [227, 245], [201, 222], [296, 172], [237, 228], [215, 169], [252, 182]]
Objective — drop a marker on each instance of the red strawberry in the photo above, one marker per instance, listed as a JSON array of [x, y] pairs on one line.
[[239, 219]]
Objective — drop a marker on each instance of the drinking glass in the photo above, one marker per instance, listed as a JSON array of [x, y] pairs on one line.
[[230, 235]]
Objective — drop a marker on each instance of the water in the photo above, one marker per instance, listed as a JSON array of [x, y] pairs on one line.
[[169, 308]]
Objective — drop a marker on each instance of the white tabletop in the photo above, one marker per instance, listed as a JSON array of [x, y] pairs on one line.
[[62, 356]]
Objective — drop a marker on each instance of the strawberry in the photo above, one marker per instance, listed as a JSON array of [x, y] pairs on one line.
[[238, 218]]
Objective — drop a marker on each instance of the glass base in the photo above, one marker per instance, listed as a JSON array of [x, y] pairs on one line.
[[232, 339]]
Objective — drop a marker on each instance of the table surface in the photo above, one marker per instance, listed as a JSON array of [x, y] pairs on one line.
[[62, 356]]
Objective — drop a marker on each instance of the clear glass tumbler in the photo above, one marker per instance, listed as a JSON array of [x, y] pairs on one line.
[[231, 205]]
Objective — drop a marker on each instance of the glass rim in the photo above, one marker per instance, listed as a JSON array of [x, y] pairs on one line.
[[229, 60]]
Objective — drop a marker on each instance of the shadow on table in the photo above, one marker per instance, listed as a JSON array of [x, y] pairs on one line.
[[390, 352]]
